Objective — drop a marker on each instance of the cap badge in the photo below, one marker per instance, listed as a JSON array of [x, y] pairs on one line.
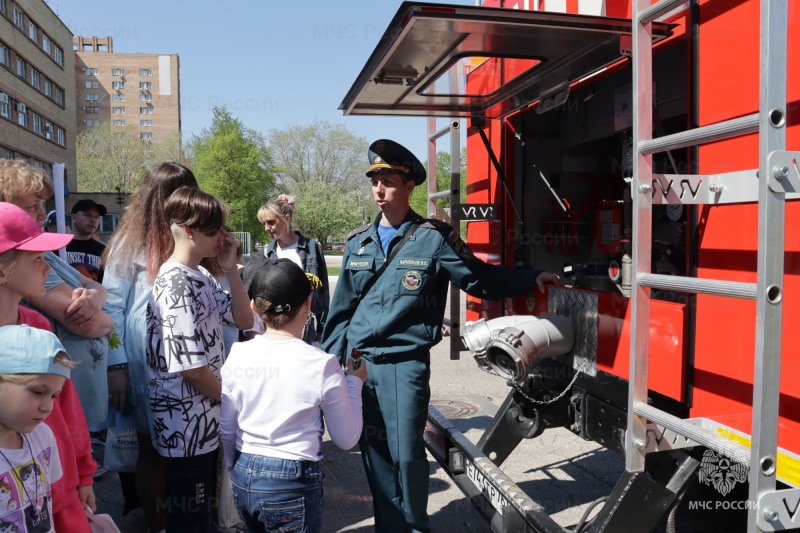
[[379, 147]]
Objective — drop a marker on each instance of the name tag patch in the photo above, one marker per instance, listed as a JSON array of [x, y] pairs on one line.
[[410, 262], [412, 280], [360, 264]]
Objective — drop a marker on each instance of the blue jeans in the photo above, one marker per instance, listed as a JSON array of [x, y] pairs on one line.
[[191, 483], [277, 494]]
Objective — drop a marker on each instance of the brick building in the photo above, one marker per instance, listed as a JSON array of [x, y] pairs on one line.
[[37, 87], [142, 90], [128, 90]]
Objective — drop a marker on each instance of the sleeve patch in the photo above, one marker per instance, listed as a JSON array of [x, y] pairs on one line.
[[462, 249]]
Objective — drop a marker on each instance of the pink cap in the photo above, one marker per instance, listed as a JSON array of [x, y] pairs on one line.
[[18, 231]]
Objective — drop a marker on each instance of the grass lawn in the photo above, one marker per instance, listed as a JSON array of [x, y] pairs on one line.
[[334, 271]]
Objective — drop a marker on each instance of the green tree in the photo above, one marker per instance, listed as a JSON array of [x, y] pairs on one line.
[[109, 157], [233, 163], [321, 151], [169, 149], [419, 198], [322, 165], [331, 215]]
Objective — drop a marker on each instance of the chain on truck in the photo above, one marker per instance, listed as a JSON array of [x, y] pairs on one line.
[[644, 150]]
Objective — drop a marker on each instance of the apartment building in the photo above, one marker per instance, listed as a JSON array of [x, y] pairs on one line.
[[140, 90], [37, 87]]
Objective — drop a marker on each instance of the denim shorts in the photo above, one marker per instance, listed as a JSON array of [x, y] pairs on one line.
[[277, 494]]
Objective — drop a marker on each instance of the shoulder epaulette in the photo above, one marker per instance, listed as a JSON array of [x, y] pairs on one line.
[[358, 231], [450, 235], [443, 227]]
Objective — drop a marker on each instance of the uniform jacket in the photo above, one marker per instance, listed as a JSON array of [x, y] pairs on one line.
[[403, 311]]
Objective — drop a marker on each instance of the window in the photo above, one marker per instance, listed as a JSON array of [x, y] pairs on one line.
[[118, 110], [60, 137], [33, 31], [37, 124], [146, 122], [117, 85], [59, 95], [5, 57], [46, 44], [48, 87], [89, 71], [59, 56], [48, 130], [92, 97], [118, 122], [145, 85], [146, 136], [115, 72], [35, 81], [145, 72], [5, 107], [21, 67], [108, 223], [145, 97], [19, 19], [3, 11], [22, 114], [145, 110], [92, 110], [118, 97]]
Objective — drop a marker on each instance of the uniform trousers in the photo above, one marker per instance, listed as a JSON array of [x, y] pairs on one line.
[[395, 406]]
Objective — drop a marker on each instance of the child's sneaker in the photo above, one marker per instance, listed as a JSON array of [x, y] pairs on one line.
[[100, 471]]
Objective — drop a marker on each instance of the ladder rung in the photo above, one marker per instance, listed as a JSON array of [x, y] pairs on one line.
[[719, 444], [733, 289], [658, 10], [706, 134], [440, 194]]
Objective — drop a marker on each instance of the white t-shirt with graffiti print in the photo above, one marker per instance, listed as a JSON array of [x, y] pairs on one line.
[[185, 315]]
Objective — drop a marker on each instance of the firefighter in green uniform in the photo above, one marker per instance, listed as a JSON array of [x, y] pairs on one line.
[[393, 316]]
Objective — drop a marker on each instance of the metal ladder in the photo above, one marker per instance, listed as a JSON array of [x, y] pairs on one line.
[[778, 176], [454, 193]]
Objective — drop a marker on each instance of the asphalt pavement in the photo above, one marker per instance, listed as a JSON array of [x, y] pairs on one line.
[[557, 469]]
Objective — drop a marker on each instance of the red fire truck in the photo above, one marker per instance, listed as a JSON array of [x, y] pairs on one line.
[[645, 150]]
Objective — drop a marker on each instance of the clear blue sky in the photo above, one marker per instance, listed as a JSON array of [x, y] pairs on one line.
[[273, 63]]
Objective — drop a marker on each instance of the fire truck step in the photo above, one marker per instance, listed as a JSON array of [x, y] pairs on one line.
[[705, 134], [733, 289], [719, 444]]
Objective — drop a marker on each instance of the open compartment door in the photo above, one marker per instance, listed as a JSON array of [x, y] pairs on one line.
[[512, 57]]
